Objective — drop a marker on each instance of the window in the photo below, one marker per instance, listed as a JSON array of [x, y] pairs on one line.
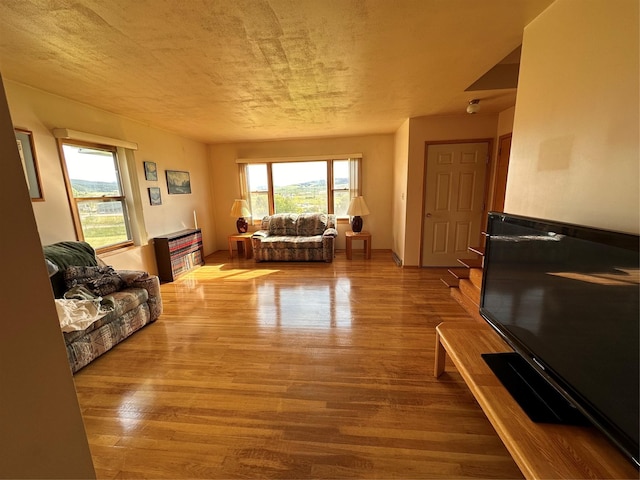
[[300, 186], [96, 194], [258, 186], [341, 187]]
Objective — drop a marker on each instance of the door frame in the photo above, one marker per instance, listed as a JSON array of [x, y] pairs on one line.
[[487, 177], [494, 179]]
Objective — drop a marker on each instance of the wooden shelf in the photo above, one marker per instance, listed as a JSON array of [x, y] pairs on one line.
[[178, 252], [540, 450]]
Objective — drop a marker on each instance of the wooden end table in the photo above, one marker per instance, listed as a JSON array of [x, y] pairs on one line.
[[244, 244], [365, 237]]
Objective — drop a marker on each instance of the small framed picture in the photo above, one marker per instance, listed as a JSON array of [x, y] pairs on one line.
[[150, 171], [154, 196], [24, 139], [178, 182]]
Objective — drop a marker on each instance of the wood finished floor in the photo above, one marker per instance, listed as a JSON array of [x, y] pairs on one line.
[[290, 370]]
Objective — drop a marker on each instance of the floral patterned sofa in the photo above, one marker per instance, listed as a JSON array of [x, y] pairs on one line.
[[295, 237], [98, 306]]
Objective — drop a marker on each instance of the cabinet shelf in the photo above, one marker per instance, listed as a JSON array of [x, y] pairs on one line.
[[178, 253]]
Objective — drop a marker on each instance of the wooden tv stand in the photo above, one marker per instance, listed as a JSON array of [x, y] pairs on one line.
[[540, 450]]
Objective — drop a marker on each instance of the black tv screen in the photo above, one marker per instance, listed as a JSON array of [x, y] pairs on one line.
[[566, 298]]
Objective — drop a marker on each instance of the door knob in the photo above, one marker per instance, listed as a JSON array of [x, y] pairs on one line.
[[428, 215]]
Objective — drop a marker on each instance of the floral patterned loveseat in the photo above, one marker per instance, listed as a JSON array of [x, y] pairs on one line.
[[98, 307], [295, 237]]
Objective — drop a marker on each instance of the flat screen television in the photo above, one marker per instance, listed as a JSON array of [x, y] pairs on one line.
[[566, 298]]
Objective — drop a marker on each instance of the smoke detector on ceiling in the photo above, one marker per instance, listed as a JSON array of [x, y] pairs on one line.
[[474, 106]]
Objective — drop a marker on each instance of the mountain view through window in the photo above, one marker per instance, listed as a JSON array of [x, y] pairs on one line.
[[96, 189]]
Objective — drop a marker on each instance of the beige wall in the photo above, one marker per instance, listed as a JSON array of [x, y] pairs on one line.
[[575, 154], [505, 126], [400, 166], [42, 431], [505, 123], [377, 171], [41, 112], [431, 129]]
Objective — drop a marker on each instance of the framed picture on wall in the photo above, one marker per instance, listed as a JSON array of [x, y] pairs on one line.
[[178, 182], [155, 197], [150, 171], [24, 139]]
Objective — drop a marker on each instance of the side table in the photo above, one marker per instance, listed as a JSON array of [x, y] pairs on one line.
[[244, 244], [365, 237]]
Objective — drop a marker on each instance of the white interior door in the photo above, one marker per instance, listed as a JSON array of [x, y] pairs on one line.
[[454, 196]]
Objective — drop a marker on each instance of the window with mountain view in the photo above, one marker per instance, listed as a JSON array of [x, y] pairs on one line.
[[96, 195], [298, 187], [341, 187]]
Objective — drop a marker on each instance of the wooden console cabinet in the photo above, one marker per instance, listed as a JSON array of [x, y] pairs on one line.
[[178, 252], [540, 450]]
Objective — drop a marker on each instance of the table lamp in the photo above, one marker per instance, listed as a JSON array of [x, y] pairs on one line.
[[240, 209], [357, 208]]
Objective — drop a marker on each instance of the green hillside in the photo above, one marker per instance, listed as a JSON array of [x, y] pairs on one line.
[[89, 188]]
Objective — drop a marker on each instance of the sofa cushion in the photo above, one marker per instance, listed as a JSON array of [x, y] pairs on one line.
[[283, 224], [130, 277], [277, 242], [93, 344], [128, 299], [310, 224]]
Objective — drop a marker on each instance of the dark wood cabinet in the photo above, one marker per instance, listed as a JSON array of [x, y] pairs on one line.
[[177, 253]]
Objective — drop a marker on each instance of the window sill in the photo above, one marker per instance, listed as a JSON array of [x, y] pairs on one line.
[[113, 249]]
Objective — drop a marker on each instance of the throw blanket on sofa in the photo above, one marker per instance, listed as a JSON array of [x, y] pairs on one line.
[[64, 255], [99, 280], [80, 308]]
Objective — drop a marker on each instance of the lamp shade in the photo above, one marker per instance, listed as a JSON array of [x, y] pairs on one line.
[[357, 207], [240, 209]]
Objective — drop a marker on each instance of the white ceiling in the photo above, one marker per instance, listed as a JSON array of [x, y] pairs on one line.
[[232, 70]]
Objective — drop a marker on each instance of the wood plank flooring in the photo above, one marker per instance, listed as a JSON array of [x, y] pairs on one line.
[[290, 370]]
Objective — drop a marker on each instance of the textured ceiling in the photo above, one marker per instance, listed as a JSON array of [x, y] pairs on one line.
[[231, 70]]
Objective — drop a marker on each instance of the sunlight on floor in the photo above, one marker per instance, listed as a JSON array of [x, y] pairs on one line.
[[230, 273], [306, 306], [314, 302], [222, 272], [132, 409]]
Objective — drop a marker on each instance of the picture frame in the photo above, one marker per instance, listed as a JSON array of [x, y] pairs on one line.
[[150, 171], [178, 182], [27, 151], [155, 197]]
